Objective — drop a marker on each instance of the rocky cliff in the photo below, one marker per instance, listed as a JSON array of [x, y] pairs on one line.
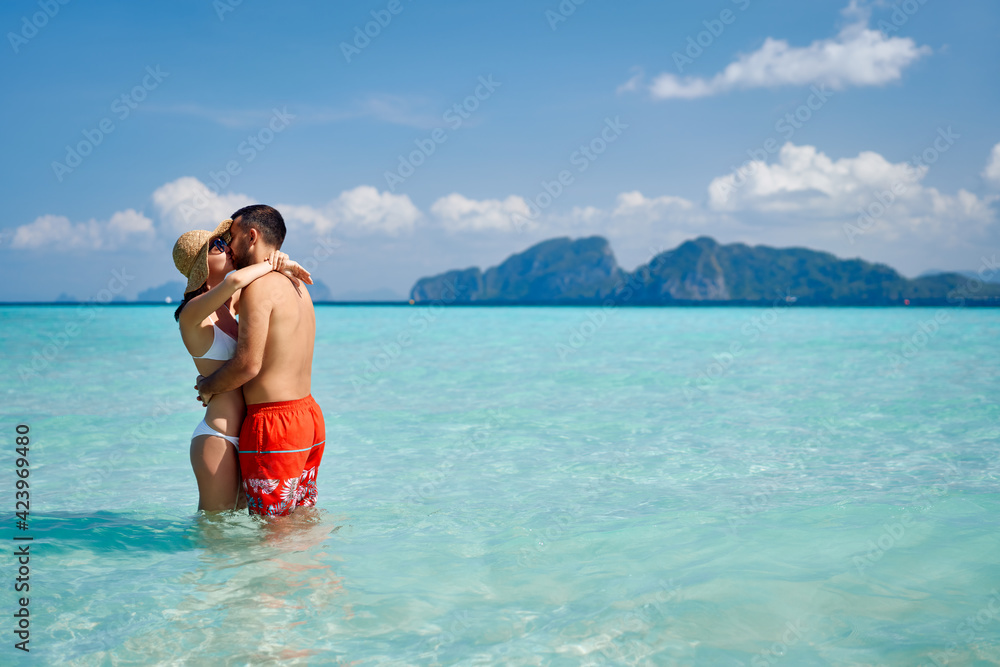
[[701, 271], [559, 270]]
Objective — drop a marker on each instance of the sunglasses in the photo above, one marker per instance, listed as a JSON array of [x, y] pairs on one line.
[[220, 245]]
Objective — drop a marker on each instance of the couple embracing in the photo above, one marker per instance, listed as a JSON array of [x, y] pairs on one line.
[[262, 438]]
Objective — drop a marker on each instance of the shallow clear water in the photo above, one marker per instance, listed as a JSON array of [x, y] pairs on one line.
[[529, 486]]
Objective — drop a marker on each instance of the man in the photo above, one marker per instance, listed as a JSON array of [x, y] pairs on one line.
[[283, 435]]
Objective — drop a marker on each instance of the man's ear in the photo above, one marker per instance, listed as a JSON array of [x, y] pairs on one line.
[[253, 234]]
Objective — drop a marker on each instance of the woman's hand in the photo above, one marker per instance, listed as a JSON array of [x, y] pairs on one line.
[[279, 262], [295, 270], [277, 259]]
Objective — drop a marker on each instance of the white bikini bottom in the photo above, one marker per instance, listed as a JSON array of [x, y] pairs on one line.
[[204, 429]]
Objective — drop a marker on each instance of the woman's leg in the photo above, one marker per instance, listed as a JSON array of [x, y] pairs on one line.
[[241, 503], [217, 469]]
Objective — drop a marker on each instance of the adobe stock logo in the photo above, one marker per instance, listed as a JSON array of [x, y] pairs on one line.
[[425, 147], [381, 18], [581, 158], [714, 28], [869, 215], [38, 20], [122, 106]]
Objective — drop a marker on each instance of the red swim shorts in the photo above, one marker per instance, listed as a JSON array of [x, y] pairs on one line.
[[281, 445]]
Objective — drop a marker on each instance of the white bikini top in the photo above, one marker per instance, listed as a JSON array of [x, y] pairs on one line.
[[223, 346]]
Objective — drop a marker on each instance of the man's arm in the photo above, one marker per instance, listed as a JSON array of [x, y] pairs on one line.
[[255, 316]]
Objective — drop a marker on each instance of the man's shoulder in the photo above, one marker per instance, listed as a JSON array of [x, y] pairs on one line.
[[261, 290], [266, 283], [271, 285]]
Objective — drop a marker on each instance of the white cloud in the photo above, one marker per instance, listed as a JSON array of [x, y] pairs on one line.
[[857, 56], [363, 209], [992, 171], [408, 111], [307, 216], [633, 83], [635, 205], [129, 222], [458, 213], [586, 215], [806, 186], [632, 211], [804, 179], [803, 198], [800, 196], [56, 232], [230, 118], [187, 203]]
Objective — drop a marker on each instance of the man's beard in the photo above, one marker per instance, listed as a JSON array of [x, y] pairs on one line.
[[241, 260]]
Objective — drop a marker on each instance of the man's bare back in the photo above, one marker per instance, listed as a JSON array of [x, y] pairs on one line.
[[278, 314]]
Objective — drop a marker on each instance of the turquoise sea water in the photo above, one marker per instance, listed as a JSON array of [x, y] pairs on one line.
[[528, 486]]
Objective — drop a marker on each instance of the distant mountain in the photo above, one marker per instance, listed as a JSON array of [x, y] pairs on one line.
[[173, 290], [702, 271], [995, 278], [555, 271], [69, 298], [382, 294], [319, 292]]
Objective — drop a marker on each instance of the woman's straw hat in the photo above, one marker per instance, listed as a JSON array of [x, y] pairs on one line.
[[191, 254]]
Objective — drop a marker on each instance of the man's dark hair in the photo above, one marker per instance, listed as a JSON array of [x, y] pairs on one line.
[[266, 220]]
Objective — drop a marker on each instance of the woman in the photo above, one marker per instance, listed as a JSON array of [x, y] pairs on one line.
[[209, 329]]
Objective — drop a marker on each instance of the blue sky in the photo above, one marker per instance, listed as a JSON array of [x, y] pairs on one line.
[[784, 126]]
